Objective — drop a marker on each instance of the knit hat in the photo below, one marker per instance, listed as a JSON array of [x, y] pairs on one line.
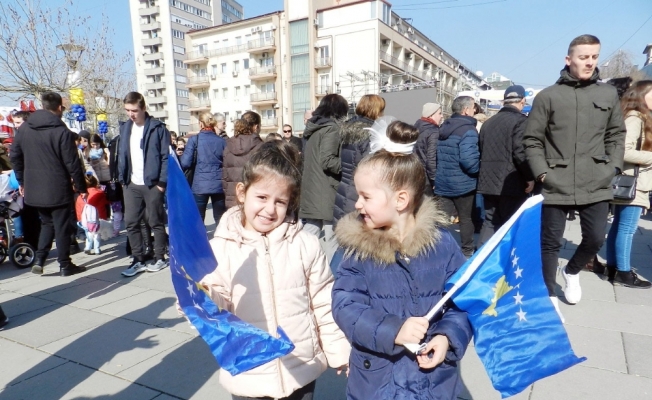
[[429, 109], [85, 134]]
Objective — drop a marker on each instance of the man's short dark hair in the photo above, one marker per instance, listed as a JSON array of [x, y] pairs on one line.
[[461, 103], [21, 114], [582, 39], [51, 101], [135, 98]]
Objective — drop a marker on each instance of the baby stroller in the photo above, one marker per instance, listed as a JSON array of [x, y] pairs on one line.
[[22, 255]]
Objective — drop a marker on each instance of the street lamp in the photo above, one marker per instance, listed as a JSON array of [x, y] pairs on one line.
[[72, 52]]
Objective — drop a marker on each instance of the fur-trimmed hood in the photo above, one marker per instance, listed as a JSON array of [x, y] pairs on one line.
[[353, 131], [381, 246]]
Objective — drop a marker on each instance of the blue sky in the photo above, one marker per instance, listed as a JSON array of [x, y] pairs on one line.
[[525, 40]]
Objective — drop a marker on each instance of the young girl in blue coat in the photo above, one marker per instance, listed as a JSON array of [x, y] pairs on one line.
[[394, 259]]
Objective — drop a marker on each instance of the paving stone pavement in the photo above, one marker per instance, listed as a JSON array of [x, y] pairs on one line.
[[102, 336]]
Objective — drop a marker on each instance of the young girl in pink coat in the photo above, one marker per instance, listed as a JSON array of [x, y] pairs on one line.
[[272, 274]]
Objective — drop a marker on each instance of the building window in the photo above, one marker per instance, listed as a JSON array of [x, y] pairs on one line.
[[225, 93], [238, 114], [182, 21], [299, 37], [182, 93], [387, 13], [180, 78], [236, 66], [223, 68], [179, 49], [214, 70], [182, 107], [216, 94], [245, 63], [178, 34], [180, 64], [190, 9], [236, 93], [374, 9], [320, 20], [247, 90], [184, 121]]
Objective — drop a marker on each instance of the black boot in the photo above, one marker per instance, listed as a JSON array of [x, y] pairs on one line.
[[4, 320], [71, 269], [630, 279], [603, 271]]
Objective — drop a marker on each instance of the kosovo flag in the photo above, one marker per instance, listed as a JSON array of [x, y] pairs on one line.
[[517, 332], [237, 345]]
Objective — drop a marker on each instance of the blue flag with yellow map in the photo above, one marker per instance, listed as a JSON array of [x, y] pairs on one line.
[[517, 333], [237, 345]]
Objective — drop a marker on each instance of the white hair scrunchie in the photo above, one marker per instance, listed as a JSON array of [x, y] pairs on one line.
[[378, 139]]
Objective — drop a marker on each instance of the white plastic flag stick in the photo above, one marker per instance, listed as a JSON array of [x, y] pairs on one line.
[[484, 252]]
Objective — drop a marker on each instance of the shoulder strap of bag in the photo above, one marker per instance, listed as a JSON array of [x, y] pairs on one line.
[[638, 147], [194, 153]]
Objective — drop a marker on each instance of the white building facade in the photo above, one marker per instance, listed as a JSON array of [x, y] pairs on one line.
[[236, 68], [313, 48], [158, 29]]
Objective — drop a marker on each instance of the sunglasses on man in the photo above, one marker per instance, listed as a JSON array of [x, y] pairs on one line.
[[284, 131]]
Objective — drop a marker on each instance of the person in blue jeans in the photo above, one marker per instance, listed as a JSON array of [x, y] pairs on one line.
[[636, 104], [207, 181]]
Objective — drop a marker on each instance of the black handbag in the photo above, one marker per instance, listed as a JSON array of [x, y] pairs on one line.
[[624, 186], [190, 172], [113, 191]]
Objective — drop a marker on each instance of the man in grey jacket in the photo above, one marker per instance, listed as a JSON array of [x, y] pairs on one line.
[[574, 143]]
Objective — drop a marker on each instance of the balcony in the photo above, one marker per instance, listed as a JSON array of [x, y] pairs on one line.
[[155, 85], [156, 100], [199, 105], [263, 72], [157, 41], [392, 61], [154, 71], [260, 45], [323, 62], [195, 82], [269, 123], [153, 56], [159, 114], [323, 90], [152, 26], [196, 57], [143, 12], [263, 98]]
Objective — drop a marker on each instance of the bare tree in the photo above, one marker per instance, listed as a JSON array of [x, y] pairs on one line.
[[40, 46], [619, 65]]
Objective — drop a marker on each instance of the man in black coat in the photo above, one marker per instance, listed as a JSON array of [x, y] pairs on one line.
[[426, 147], [290, 138], [505, 179], [45, 159]]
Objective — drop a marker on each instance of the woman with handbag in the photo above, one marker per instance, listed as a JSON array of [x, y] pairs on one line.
[[637, 106], [204, 156]]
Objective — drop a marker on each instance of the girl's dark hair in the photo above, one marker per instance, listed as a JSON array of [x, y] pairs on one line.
[[332, 106], [91, 181], [634, 100], [97, 139], [246, 124], [282, 159], [400, 171]]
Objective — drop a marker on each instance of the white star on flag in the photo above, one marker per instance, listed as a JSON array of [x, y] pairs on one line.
[[518, 298], [521, 315], [190, 289], [513, 251], [197, 306], [518, 273], [515, 261]]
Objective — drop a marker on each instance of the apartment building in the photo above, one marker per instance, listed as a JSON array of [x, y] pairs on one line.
[[313, 48], [159, 28], [237, 67]]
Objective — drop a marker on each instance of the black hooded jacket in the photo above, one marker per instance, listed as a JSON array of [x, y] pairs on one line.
[[44, 156]]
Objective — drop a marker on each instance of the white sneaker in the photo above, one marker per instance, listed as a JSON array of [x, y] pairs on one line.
[[135, 268], [573, 290], [555, 302]]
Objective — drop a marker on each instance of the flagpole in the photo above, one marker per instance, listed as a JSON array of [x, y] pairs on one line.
[[476, 261]]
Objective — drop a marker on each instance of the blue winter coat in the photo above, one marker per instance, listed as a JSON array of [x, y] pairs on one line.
[[354, 146], [155, 147], [379, 284], [458, 157], [208, 172]]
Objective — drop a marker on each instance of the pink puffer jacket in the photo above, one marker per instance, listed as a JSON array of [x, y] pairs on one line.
[[280, 279]]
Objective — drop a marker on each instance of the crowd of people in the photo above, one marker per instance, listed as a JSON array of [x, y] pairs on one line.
[[343, 235]]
